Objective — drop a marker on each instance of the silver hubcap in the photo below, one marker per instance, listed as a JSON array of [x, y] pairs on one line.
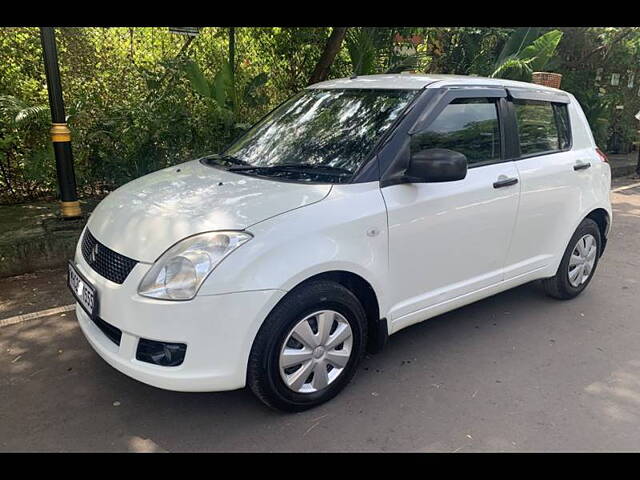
[[316, 351], [583, 258]]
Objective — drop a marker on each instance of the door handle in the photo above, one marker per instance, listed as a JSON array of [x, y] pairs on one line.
[[581, 166], [507, 182]]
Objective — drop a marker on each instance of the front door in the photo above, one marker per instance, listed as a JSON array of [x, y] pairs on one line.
[[450, 239]]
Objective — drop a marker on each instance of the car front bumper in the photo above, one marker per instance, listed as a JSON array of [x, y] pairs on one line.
[[217, 329]]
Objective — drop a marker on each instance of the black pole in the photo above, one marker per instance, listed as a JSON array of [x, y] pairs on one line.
[[638, 164], [232, 62], [60, 133]]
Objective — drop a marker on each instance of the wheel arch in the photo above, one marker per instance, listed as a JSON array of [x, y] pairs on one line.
[[598, 213], [602, 219], [366, 294]]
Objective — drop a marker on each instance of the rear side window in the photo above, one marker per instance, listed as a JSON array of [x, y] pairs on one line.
[[467, 125], [564, 128], [543, 127]]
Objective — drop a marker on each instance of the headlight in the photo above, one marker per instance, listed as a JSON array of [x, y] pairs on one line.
[[180, 271]]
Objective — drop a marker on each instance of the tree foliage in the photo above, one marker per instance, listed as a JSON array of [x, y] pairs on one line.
[[523, 54], [139, 99]]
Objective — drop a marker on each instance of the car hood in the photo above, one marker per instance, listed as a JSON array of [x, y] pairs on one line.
[[145, 217]]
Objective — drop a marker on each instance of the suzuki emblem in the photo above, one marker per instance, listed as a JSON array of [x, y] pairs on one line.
[[94, 253]]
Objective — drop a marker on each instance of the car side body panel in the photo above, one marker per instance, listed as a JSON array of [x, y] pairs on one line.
[[555, 198], [347, 232], [448, 239]]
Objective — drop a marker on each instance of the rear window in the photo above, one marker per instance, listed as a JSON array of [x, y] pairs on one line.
[[543, 127]]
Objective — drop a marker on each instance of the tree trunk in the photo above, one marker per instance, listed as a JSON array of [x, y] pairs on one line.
[[331, 49]]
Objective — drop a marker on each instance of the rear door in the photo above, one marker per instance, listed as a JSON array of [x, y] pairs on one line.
[[552, 175]]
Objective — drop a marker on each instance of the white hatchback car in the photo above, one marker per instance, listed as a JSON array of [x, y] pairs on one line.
[[355, 209]]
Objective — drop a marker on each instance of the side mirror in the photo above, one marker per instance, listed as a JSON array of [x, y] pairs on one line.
[[437, 165]]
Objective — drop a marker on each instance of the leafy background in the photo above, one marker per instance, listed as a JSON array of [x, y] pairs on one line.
[[140, 99]]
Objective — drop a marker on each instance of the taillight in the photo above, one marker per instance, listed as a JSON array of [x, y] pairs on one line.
[[602, 155]]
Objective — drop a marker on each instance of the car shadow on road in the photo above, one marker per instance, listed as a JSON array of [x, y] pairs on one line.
[[59, 395]]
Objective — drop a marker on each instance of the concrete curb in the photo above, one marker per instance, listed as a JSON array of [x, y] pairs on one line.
[[39, 252], [35, 315], [622, 170]]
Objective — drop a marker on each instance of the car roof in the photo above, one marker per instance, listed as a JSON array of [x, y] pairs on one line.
[[414, 81]]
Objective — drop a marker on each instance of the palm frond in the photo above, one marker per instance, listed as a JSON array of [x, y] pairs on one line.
[[542, 49], [513, 67], [533, 57], [361, 45], [20, 111], [520, 38], [36, 112]]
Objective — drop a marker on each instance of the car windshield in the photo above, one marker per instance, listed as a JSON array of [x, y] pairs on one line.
[[318, 135]]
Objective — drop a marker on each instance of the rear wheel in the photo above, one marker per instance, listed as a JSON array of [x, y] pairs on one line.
[[308, 348], [578, 263]]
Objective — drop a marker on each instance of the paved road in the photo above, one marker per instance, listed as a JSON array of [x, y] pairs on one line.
[[515, 372]]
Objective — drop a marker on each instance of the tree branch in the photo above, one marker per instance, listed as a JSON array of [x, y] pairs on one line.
[[621, 36], [331, 49]]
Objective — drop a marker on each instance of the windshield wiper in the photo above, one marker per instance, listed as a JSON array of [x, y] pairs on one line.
[[318, 168], [296, 167], [222, 158]]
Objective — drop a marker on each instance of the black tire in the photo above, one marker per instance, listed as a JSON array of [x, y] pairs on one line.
[[559, 285], [263, 374]]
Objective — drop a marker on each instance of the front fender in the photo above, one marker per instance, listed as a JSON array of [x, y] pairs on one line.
[[345, 231]]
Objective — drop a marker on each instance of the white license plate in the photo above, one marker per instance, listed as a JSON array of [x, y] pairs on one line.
[[83, 291]]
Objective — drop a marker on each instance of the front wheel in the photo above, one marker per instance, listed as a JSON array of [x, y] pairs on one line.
[[308, 348], [578, 263]]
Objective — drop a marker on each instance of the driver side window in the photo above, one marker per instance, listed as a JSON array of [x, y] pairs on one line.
[[467, 125]]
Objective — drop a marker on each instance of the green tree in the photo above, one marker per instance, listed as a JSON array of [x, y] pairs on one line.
[[521, 56]]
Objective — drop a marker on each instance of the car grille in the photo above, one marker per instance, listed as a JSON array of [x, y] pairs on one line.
[[106, 262]]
